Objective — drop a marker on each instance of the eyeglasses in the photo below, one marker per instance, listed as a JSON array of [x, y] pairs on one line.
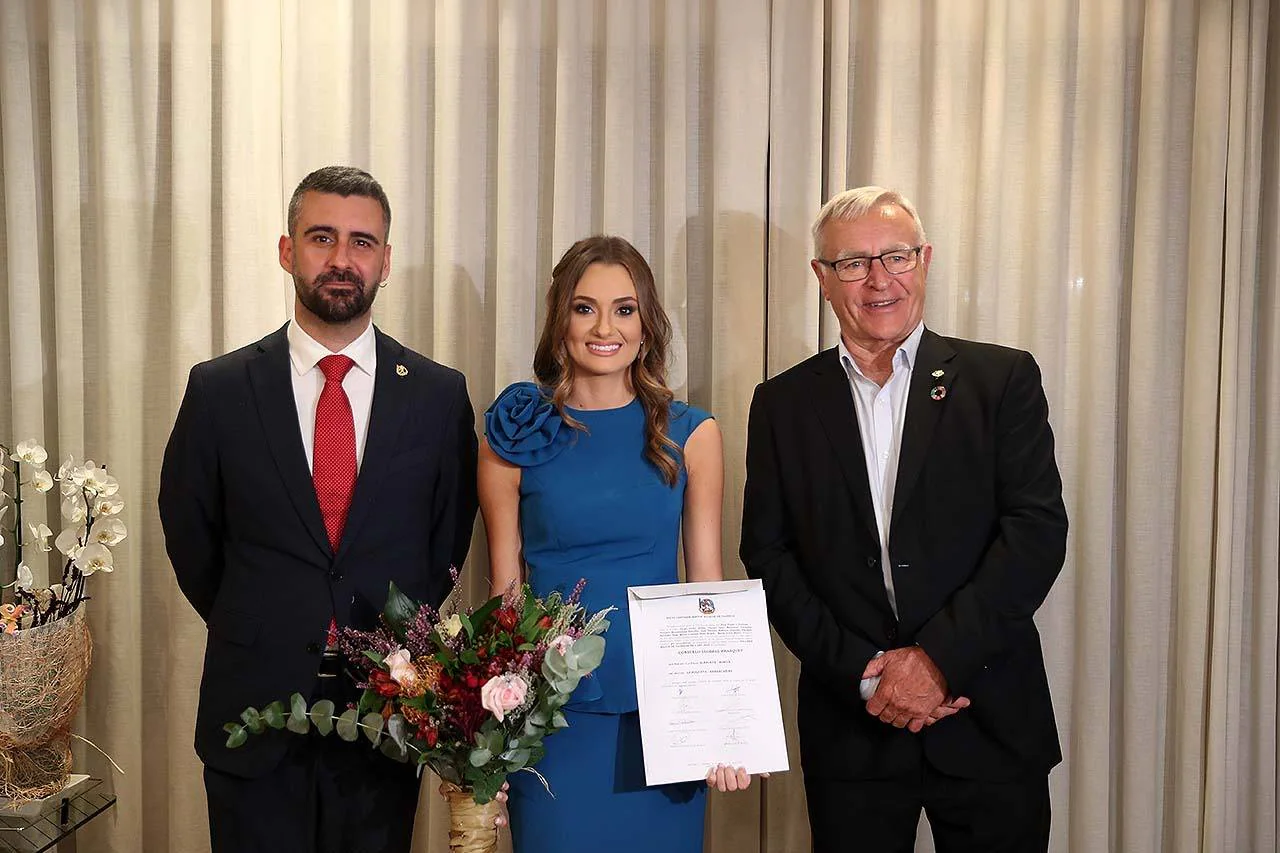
[[894, 261]]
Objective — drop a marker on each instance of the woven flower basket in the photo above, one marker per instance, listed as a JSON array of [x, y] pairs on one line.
[[42, 677]]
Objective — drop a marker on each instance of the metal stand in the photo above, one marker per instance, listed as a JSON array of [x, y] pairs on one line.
[[57, 826]]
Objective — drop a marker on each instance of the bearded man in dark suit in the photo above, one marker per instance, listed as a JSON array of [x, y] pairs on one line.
[[304, 474], [904, 510]]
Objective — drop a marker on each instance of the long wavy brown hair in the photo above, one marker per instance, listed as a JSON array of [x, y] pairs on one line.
[[555, 370]]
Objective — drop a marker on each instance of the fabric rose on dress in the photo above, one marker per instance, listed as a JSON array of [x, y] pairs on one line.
[[524, 428], [503, 693]]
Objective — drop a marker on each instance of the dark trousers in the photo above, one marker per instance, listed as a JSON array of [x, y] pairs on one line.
[[325, 796], [966, 815]]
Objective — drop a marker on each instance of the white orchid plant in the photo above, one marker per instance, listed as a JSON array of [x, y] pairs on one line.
[[90, 504]]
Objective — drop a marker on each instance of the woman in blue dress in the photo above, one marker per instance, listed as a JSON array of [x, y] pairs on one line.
[[596, 472]]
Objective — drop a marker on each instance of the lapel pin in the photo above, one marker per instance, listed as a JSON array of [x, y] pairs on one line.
[[401, 370], [937, 392], [937, 373]]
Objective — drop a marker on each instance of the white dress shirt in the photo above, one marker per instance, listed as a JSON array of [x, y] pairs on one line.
[[305, 353], [881, 412]]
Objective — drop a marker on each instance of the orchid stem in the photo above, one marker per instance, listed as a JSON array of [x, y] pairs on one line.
[[17, 516]]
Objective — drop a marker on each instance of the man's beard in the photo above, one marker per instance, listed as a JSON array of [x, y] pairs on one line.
[[336, 306]]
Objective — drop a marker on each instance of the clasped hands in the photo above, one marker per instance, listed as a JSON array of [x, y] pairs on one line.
[[912, 692]]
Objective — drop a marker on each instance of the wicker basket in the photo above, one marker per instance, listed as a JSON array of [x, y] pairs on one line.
[[42, 677]]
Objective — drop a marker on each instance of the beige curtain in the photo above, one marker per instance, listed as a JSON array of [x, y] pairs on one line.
[[1101, 181]]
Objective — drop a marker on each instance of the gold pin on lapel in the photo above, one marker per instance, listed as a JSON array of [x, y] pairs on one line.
[[401, 370], [937, 373]]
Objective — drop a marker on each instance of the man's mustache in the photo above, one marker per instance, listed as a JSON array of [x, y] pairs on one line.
[[340, 276]]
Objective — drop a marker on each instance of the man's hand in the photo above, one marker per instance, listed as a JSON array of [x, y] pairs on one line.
[[911, 690], [946, 709]]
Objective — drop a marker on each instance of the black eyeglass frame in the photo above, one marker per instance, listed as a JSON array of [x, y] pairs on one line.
[[914, 250]]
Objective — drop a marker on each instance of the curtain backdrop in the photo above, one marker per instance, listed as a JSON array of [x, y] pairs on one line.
[[1100, 179]]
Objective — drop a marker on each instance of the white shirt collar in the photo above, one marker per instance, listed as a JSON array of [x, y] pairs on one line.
[[904, 357], [305, 351]]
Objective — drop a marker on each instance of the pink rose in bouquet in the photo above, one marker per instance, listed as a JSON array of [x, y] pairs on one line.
[[503, 693]]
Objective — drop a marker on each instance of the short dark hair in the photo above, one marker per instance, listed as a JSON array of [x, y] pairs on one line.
[[339, 180]]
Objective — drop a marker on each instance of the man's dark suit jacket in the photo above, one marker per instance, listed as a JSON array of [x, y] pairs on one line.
[[977, 537], [244, 532]]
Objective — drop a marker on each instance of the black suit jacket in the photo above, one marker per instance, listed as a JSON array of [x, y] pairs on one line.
[[977, 537], [244, 532]]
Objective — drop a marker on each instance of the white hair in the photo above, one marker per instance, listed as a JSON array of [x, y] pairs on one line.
[[858, 202]]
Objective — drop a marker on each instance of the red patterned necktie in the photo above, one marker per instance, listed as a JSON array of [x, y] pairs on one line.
[[333, 466]]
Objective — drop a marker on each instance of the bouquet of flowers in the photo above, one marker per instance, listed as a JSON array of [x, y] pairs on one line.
[[470, 695]]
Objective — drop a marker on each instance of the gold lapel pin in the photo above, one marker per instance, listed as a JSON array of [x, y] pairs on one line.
[[937, 392], [401, 370], [937, 373]]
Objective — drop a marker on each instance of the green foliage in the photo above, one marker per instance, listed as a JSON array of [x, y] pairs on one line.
[[372, 725], [369, 701], [398, 611], [273, 715], [348, 726], [586, 654], [322, 716], [487, 787], [253, 720], [236, 735], [481, 614]]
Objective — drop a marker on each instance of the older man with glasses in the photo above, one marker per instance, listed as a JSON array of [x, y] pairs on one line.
[[904, 510]]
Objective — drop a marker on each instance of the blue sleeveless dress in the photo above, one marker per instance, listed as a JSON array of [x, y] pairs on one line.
[[591, 506]]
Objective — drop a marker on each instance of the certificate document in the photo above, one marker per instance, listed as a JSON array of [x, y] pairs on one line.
[[705, 680]]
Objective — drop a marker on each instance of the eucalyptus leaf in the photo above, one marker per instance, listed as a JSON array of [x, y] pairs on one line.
[[237, 735], [480, 757], [586, 653], [558, 721], [516, 759], [393, 750], [322, 716], [273, 715], [566, 686], [494, 742], [398, 730], [554, 666], [298, 725], [252, 720], [373, 725], [346, 727]]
